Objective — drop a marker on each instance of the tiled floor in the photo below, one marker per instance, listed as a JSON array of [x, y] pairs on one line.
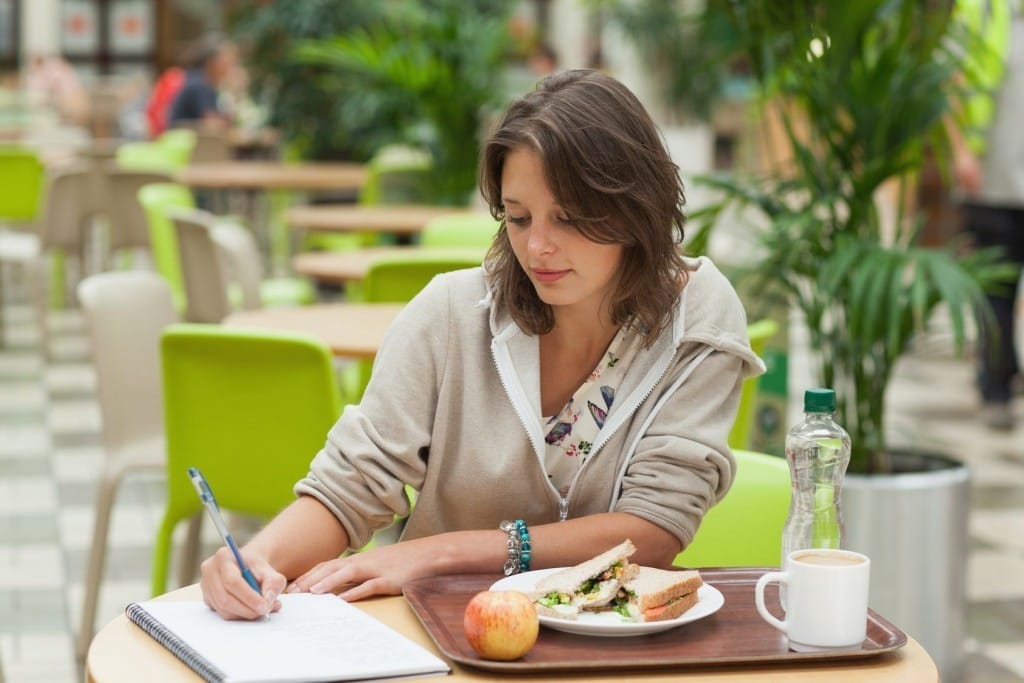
[[50, 455]]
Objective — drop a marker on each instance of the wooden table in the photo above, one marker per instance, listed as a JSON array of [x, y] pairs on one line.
[[272, 175], [122, 653], [349, 330], [401, 220], [351, 266]]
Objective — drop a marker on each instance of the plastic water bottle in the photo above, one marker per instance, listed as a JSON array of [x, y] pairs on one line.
[[818, 451]]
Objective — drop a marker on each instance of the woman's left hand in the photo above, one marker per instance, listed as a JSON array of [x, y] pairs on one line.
[[379, 571]]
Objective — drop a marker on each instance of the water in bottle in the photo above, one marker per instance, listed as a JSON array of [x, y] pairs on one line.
[[818, 451]]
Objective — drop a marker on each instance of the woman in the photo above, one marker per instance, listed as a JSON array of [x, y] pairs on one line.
[[582, 383]]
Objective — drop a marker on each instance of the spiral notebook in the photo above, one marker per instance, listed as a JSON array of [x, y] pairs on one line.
[[312, 638]]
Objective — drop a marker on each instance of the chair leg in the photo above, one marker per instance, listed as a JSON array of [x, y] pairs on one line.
[[161, 556], [190, 551], [97, 558]]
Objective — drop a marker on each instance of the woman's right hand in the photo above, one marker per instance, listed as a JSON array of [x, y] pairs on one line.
[[227, 593]]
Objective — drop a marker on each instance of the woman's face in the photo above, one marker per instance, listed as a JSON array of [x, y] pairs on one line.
[[566, 268]]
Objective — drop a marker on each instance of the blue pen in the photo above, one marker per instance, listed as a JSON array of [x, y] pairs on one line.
[[206, 495]]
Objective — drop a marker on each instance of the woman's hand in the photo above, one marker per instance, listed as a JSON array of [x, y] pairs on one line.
[[379, 571], [227, 593]]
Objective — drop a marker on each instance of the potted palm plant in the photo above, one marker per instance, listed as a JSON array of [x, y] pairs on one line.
[[865, 88], [435, 69]]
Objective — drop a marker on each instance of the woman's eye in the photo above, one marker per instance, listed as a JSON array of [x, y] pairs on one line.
[[518, 220]]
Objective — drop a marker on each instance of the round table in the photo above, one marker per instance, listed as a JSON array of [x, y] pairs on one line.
[[349, 330], [352, 266], [403, 220], [123, 653]]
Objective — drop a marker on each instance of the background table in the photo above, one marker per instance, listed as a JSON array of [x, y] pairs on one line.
[[350, 266], [271, 175], [401, 220], [121, 651], [349, 330]]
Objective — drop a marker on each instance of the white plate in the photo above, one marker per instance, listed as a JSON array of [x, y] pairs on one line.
[[610, 623]]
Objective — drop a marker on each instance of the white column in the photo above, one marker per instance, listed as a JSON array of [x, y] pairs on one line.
[[40, 28]]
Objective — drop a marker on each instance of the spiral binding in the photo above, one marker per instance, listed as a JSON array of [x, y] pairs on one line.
[[138, 615]]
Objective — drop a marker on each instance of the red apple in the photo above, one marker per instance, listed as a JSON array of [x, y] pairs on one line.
[[501, 624]]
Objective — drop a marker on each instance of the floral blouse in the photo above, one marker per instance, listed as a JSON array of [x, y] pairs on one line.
[[571, 432]]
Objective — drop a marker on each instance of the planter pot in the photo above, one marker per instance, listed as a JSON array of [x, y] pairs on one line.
[[913, 526]]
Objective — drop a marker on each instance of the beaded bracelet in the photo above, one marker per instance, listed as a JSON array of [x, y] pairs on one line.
[[519, 548]]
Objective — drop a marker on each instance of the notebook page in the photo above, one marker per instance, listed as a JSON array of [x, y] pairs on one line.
[[311, 638]]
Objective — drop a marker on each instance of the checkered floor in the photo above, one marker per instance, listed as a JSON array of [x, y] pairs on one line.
[[50, 455]]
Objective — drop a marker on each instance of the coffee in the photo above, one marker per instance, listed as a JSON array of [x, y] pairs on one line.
[[832, 559]]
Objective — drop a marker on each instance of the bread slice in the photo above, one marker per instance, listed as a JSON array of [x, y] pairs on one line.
[[588, 585], [571, 578], [658, 594], [653, 587], [567, 612]]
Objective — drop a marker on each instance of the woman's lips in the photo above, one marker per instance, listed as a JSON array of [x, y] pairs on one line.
[[549, 275]]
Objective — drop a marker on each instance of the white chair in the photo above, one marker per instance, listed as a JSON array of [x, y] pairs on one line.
[[125, 313], [221, 269]]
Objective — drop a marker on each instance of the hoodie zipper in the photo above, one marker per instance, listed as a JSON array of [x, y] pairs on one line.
[[563, 502], [605, 436]]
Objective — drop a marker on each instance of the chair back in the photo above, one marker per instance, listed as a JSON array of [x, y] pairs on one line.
[[210, 147], [743, 427], [125, 313], [65, 210], [398, 279], [157, 200], [460, 230], [250, 409], [178, 144], [244, 268], [129, 228], [146, 156], [745, 528], [202, 268], [22, 178]]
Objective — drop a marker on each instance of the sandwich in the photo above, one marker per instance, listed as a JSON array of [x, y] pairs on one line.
[[657, 594], [588, 585]]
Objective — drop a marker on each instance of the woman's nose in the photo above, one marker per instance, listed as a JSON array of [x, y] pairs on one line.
[[540, 240]]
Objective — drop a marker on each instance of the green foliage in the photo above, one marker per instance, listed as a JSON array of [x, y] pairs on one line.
[[308, 111], [867, 86], [432, 70], [693, 53]]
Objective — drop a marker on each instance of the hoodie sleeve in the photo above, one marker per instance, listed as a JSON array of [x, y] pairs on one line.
[[381, 444], [682, 465]]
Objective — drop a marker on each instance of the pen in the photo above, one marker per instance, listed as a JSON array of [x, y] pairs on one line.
[[206, 495]]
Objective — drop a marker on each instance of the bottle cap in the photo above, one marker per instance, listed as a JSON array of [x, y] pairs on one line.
[[820, 401]]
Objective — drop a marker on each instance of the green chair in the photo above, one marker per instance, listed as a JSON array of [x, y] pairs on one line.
[[742, 428], [157, 201], [146, 156], [397, 279], [22, 183], [248, 408], [460, 230], [22, 178], [178, 144], [745, 528]]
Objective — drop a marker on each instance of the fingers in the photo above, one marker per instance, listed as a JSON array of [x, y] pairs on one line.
[[228, 594], [378, 586]]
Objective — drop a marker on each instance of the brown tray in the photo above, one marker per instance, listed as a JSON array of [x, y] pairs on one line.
[[735, 634]]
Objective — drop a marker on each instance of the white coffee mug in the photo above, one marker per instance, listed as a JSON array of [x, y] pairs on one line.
[[826, 599]]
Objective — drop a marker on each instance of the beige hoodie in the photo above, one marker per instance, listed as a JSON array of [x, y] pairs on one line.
[[453, 409]]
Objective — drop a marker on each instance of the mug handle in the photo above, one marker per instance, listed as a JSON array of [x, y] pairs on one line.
[[765, 579]]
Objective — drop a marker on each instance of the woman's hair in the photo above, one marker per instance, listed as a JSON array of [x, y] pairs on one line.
[[606, 165]]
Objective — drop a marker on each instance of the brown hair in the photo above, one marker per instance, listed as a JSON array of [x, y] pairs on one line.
[[607, 167]]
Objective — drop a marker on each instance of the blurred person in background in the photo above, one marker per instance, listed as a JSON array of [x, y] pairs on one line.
[[52, 81], [990, 172], [198, 103]]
